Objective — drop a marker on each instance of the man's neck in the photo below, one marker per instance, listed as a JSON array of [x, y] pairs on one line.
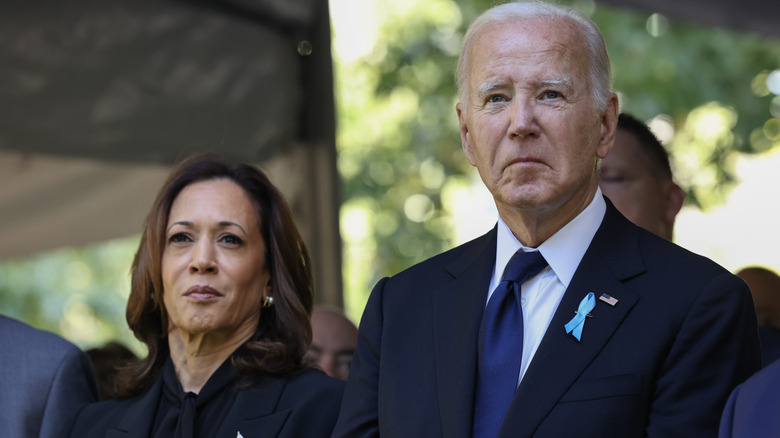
[[534, 227]]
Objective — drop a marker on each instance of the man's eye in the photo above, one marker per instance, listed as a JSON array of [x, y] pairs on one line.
[[612, 178], [496, 98], [550, 94], [231, 239], [179, 238]]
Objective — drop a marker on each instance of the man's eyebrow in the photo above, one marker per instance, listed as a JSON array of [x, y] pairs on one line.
[[559, 82], [489, 87]]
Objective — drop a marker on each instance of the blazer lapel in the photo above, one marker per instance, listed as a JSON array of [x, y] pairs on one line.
[[458, 307], [255, 410], [137, 421], [560, 359]]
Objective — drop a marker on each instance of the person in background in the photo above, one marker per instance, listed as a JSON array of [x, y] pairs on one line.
[[44, 382], [752, 409], [764, 286], [566, 319], [637, 178], [107, 360], [221, 294], [334, 338]]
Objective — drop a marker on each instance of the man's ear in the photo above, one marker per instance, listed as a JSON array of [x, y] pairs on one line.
[[464, 133], [675, 196], [608, 126]]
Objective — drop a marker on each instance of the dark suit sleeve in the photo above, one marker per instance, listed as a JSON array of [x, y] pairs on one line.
[[359, 415], [715, 350], [73, 386]]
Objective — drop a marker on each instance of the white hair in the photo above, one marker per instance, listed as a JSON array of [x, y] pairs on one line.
[[599, 73]]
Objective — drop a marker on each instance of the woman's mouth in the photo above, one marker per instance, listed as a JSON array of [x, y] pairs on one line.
[[202, 293]]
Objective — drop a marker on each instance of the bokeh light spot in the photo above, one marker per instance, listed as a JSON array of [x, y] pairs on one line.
[[774, 107], [773, 82], [772, 129], [662, 126], [418, 208], [432, 174], [657, 25], [78, 275], [758, 84]]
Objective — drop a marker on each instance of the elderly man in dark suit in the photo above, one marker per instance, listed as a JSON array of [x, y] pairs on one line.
[[44, 382], [566, 319]]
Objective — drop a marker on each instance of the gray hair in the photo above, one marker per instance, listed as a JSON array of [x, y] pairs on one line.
[[599, 75]]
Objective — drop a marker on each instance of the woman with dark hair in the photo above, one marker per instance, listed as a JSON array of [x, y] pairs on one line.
[[221, 295]]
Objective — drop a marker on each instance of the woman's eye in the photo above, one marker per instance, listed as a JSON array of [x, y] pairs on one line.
[[231, 239], [179, 238]]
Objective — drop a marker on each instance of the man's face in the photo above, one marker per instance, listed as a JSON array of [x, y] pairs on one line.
[[530, 124], [628, 181], [334, 339]]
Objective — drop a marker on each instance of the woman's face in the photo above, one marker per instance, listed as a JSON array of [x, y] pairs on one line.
[[213, 266]]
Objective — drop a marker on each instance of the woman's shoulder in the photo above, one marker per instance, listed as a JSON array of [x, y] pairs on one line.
[[312, 400], [313, 384], [312, 376], [99, 416], [96, 418]]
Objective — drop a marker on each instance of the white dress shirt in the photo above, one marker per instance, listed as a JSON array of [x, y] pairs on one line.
[[541, 294]]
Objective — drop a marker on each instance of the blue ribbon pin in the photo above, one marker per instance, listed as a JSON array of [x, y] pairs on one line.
[[578, 322]]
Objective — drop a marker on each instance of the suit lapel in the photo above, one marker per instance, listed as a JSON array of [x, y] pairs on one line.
[[137, 421], [613, 256], [254, 409], [458, 307]]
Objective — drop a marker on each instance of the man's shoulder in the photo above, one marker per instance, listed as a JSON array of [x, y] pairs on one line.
[[311, 380], [621, 241], [768, 379], [454, 259], [20, 337], [661, 254], [758, 395]]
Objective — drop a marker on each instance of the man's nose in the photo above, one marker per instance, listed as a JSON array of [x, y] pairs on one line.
[[328, 364], [522, 122]]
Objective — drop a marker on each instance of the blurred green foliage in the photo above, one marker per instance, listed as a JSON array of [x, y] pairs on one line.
[[79, 293]]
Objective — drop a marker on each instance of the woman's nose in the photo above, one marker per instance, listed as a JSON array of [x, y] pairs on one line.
[[203, 258]]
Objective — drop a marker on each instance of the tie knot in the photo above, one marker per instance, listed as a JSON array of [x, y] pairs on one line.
[[523, 265]]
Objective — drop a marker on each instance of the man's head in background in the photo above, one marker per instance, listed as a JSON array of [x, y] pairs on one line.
[[334, 338], [764, 285], [637, 178]]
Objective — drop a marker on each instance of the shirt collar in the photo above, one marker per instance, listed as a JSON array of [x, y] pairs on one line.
[[564, 249]]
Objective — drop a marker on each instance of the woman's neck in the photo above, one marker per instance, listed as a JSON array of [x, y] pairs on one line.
[[197, 356]]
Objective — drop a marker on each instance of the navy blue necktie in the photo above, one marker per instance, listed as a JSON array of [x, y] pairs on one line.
[[501, 344]]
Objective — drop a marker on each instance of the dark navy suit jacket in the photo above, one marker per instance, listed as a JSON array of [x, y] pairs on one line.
[[753, 410], [44, 381], [301, 406], [661, 362]]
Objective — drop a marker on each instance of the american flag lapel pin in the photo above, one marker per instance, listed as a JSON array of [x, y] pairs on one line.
[[608, 299]]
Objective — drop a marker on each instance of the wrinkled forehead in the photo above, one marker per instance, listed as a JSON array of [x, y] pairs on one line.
[[547, 46]]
